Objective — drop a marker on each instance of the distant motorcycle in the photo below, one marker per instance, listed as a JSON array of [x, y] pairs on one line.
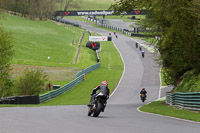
[[142, 54], [143, 97], [98, 106]]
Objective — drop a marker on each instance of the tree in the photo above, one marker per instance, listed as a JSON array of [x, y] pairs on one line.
[[178, 25], [72, 4], [32, 82], [6, 53], [124, 5]]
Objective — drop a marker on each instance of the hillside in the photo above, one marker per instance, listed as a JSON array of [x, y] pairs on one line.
[[48, 45]]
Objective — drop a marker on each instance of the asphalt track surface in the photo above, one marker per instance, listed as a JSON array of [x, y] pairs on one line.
[[120, 116]]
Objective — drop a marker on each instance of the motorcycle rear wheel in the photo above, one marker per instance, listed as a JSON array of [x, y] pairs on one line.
[[98, 110]]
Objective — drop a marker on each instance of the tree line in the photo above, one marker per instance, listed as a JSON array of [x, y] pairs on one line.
[[178, 24], [39, 8]]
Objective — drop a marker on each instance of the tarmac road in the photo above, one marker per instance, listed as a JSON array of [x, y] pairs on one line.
[[120, 116]]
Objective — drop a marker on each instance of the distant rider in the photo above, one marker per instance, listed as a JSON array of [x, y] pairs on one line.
[[143, 91], [142, 54], [103, 88]]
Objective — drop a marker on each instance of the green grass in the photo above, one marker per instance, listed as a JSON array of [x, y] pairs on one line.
[[159, 107], [111, 30], [125, 17], [79, 19], [35, 41], [111, 70]]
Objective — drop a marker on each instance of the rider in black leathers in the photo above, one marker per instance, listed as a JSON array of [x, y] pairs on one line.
[[143, 91], [103, 88]]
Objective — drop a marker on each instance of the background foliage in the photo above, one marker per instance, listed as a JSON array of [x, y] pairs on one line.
[[32, 82], [6, 53]]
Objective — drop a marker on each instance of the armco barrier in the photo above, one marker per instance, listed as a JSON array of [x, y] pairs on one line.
[[89, 69], [79, 78], [190, 101]]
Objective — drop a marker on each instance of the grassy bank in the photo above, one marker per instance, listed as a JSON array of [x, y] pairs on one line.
[[35, 41], [47, 45], [159, 107]]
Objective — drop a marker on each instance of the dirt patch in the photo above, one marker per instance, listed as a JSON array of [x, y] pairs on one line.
[[54, 73]]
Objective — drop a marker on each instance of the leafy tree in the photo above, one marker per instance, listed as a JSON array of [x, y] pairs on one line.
[[72, 4], [32, 82], [124, 5], [6, 53]]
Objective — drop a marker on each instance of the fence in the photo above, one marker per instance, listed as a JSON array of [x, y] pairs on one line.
[[190, 101], [58, 19], [89, 69], [79, 78]]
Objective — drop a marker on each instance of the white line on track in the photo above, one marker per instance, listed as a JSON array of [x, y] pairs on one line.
[[159, 94], [123, 71]]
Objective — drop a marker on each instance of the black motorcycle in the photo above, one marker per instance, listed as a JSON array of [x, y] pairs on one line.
[[98, 106], [143, 97]]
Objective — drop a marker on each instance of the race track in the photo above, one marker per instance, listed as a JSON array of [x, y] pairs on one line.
[[120, 116]]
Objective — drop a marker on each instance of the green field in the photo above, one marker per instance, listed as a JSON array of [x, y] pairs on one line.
[[125, 18], [35, 41]]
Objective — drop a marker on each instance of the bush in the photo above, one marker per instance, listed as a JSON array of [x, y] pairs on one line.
[[190, 82], [6, 53], [32, 82]]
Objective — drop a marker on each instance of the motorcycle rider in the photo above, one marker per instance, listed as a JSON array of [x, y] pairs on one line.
[[103, 88], [142, 52], [143, 91]]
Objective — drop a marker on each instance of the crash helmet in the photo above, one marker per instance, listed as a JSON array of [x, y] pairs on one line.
[[104, 82]]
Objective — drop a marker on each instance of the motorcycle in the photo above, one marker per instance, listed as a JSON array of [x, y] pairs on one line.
[[143, 97], [98, 106]]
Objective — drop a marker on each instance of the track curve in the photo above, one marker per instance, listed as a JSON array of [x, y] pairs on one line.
[[121, 114]]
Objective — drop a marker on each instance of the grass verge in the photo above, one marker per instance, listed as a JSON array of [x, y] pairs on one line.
[[159, 107]]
